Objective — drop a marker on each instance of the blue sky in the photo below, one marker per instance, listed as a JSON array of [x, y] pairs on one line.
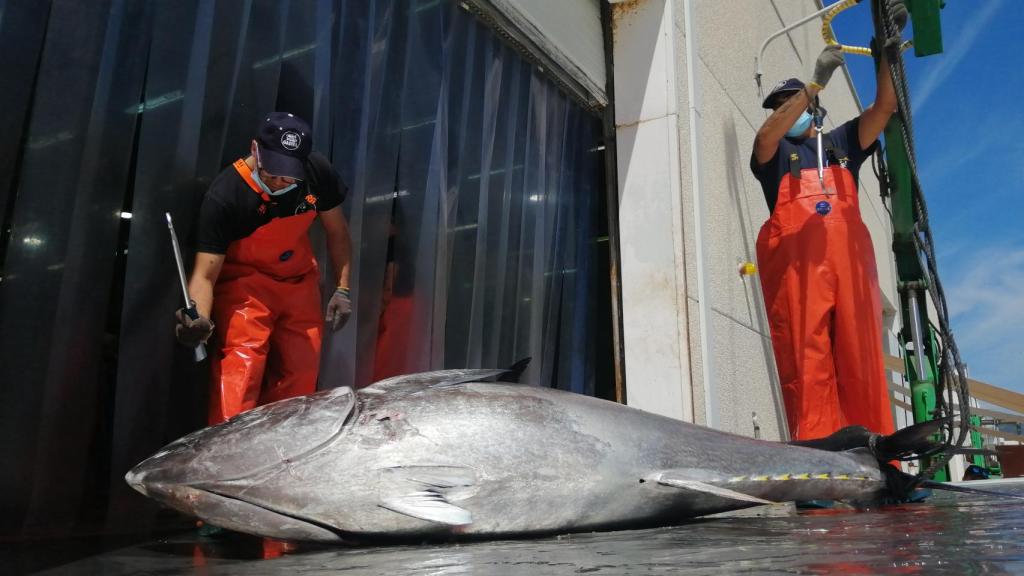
[[969, 133]]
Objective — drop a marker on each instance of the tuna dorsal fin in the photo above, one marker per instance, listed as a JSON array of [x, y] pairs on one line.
[[427, 492], [687, 479], [443, 378]]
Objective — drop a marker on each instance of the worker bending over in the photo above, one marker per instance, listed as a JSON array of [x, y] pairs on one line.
[[816, 258], [255, 274]]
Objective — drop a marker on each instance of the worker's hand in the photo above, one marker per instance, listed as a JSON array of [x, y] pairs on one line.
[[338, 309], [191, 332], [898, 12], [829, 59]]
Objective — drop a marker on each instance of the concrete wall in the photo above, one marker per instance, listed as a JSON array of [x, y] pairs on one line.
[[666, 346]]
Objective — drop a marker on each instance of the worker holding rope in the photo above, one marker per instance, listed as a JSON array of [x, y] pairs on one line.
[[816, 258]]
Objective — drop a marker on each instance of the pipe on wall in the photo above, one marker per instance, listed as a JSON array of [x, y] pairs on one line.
[[711, 418]]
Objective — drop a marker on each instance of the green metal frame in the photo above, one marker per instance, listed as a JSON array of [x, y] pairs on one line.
[[927, 26]]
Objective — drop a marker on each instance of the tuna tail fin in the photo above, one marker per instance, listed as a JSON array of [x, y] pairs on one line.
[[916, 439], [899, 483]]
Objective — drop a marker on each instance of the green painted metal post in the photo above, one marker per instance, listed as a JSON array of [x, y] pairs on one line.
[[927, 27], [976, 439]]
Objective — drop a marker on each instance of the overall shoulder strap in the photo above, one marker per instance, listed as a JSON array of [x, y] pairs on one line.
[[243, 170], [836, 154], [312, 176], [794, 165], [267, 206]]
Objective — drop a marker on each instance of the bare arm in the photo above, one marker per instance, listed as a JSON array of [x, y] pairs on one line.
[[766, 143], [204, 276], [875, 117], [339, 244]]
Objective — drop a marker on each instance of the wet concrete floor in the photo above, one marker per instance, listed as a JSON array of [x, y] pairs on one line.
[[948, 534]]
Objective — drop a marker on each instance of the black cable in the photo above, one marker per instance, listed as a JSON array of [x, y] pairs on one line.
[[951, 383], [882, 174]]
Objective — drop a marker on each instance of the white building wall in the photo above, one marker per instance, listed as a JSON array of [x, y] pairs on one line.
[[655, 323], [651, 215]]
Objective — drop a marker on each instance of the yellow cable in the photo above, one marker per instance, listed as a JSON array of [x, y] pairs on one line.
[[830, 38]]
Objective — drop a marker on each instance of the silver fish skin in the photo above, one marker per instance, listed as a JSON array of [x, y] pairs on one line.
[[443, 455]]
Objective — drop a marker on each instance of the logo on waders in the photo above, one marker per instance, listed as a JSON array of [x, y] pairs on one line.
[[823, 208], [285, 255]]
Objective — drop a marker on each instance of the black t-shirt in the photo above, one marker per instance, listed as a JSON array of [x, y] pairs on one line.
[[231, 209], [844, 138]]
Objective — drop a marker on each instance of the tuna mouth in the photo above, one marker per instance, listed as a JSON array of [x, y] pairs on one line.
[[232, 513]]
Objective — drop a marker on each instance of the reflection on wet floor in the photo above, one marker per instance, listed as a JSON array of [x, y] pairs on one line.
[[948, 534]]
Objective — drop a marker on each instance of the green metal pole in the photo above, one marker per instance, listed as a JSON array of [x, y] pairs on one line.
[[927, 26]]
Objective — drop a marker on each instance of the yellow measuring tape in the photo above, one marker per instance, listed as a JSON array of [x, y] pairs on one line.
[[830, 38]]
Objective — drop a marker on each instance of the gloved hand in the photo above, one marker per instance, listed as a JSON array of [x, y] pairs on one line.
[[829, 59], [191, 332], [339, 308], [897, 10]]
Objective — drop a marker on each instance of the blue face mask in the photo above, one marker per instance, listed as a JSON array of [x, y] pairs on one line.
[[288, 188], [801, 125]]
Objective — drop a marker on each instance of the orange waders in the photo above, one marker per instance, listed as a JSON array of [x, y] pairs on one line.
[[266, 306], [824, 307]]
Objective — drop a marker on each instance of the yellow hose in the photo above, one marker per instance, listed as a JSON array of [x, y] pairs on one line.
[[830, 38]]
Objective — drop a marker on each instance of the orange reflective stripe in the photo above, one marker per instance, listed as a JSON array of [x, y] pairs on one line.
[[243, 170]]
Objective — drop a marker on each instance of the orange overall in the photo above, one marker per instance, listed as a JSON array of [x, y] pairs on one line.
[[821, 291], [266, 306]]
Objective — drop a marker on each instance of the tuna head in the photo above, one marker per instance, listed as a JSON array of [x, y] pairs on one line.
[[206, 473]]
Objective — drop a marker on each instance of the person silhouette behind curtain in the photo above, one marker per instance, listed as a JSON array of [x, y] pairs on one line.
[[394, 334]]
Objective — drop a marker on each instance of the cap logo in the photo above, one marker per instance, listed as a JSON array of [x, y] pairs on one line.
[[291, 140]]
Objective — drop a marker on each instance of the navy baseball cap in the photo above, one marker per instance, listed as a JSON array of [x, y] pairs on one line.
[[781, 91], [283, 143]]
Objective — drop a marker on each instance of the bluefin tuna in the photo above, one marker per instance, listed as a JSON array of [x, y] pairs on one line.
[[445, 454]]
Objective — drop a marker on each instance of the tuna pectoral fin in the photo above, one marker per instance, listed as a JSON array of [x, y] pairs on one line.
[[427, 492], [681, 479], [430, 506]]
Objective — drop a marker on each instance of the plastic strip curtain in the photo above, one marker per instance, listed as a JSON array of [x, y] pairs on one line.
[[473, 208]]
